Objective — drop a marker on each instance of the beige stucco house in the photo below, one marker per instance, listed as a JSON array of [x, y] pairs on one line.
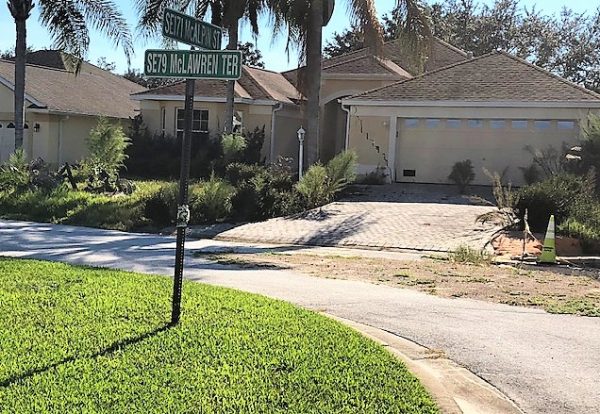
[[262, 99], [412, 127], [61, 108]]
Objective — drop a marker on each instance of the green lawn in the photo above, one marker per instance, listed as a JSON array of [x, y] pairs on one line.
[[76, 339]]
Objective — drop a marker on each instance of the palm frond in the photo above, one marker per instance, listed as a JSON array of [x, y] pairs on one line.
[[104, 16], [364, 15]]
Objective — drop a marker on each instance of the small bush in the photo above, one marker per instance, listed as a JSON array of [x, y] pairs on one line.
[[320, 184], [466, 254], [107, 144], [531, 174], [254, 143], [555, 195], [233, 147], [314, 187], [14, 173], [462, 175], [161, 205], [210, 201]]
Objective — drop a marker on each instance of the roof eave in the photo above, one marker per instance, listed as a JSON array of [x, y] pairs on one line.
[[28, 97], [471, 104], [181, 98]]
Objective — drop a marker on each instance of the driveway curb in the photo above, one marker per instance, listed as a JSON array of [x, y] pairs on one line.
[[455, 389]]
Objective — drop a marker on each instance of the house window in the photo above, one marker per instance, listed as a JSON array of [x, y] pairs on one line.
[[565, 124], [454, 123], [475, 123], [498, 124], [411, 123], [199, 121], [542, 124], [520, 124], [432, 123]]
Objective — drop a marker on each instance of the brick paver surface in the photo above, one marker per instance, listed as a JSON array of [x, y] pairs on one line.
[[439, 224]]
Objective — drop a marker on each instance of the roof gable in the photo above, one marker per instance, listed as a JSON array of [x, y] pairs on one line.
[[496, 77]]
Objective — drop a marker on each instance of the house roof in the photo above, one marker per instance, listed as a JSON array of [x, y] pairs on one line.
[[496, 77], [440, 54], [92, 91], [366, 64], [254, 84]]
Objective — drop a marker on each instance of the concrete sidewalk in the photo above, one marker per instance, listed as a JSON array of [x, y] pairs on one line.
[[545, 363]]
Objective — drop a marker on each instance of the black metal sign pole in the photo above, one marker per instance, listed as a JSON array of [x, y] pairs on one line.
[[183, 211]]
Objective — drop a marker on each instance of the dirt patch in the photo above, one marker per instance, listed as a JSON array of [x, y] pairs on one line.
[[566, 292]]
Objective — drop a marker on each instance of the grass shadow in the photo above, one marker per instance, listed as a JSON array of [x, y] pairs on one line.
[[118, 345]]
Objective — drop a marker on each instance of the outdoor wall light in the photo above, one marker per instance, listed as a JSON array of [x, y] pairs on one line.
[[36, 127]]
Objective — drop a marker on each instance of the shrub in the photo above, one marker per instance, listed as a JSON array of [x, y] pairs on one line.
[[161, 205], [462, 175], [107, 144], [550, 161], [210, 201], [590, 147], [506, 201], [254, 143], [531, 174], [233, 147], [555, 195], [263, 192], [466, 254], [320, 184], [313, 186], [14, 173]]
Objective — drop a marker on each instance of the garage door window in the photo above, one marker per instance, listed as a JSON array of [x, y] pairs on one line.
[[519, 124], [475, 123], [566, 124], [498, 124], [453, 123], [432, 123], [411, 123], [542, 124]]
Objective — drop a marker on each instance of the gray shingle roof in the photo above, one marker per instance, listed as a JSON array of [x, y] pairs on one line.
[[254, 83], [93, 91], [496, 77]]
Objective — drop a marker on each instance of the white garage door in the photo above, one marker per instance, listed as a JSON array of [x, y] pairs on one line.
[[427, 149], [7, 141]]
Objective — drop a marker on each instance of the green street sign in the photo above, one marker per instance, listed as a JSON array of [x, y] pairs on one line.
[[193, 64], [195, 32]]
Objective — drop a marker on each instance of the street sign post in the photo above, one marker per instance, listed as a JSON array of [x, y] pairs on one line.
[[210, 63], [194, 32], [193, 64]]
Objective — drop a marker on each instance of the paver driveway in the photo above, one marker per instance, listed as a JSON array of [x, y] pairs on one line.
[[394, 216], [547, 363]]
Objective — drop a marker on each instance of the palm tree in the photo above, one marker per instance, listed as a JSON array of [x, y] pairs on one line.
[[305, 19], [68, 22], [223, 12]]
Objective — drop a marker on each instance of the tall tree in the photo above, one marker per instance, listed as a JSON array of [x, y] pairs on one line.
[[250, 55], [68, 22]]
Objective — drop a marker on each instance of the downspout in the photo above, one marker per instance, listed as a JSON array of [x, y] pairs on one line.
[[276, 108], [347, 138]]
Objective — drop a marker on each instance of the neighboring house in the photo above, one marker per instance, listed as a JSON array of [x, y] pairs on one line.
[[60, 107], [413, 127], [263, 99]]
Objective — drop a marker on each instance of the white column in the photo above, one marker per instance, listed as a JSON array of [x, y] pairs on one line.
[[391, 156]]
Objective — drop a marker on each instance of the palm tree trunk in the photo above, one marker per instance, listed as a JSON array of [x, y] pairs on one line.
[[20, 59], [233, 31], [312, 79]]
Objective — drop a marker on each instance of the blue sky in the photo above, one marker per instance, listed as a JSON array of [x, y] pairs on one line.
[[273, 49]]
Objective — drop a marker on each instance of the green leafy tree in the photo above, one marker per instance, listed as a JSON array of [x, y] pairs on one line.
[[68, 22], [107, 144]]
